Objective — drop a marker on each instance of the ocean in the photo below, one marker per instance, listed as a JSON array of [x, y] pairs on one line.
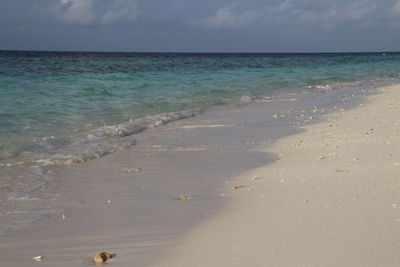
[[54, 103], [62, 108]]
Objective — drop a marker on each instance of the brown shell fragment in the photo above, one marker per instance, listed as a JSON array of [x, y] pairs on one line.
[[238, 187], [184, 197], [102, 257]]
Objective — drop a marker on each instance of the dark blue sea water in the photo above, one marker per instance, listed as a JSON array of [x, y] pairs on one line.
[[50, 101]]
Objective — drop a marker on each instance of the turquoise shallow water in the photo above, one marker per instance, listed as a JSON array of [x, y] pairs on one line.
[[53, 99]]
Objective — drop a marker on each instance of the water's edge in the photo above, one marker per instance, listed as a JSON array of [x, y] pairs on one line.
[[19, 211]]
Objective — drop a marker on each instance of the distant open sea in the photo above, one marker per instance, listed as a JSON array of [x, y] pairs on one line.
[[63, 107]]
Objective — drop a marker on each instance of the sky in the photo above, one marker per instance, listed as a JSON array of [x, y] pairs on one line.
[[201, 25]]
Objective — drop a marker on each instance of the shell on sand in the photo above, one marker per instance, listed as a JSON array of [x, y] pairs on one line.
[[38, 258], [102, 257], [184, 197]]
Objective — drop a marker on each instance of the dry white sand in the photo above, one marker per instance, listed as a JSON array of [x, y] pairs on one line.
[[333, 199]]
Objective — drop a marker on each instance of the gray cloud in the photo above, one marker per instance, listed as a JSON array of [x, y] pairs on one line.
[[327, 12], [93, 12], [396, 7], [227, 17]]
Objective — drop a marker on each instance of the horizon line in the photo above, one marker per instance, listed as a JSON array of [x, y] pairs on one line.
[[198, 52]]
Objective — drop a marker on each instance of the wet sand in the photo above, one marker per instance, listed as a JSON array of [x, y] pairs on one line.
[[262, 191]]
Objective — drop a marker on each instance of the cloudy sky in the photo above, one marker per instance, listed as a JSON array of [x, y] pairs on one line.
[[201, 26]]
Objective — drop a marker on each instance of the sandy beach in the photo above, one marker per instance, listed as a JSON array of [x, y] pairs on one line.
[[330, 200], [324, 194]]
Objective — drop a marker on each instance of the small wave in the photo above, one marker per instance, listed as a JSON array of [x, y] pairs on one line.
[[359, 83], [96, 143], [138, 125]]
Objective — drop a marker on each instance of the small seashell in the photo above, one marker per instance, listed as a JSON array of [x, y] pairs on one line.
[[63, 217], [184, 197], [131, 169], [321, 157], [38, 258], [238, 187], [102, 257], [255, 177]]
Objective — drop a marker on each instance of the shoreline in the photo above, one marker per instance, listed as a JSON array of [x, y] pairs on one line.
[[110, 198], [34, 173]]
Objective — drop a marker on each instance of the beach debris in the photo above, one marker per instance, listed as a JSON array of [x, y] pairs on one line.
[[63, 217], [244, 100], [321, 157], [38, 258], [184, 197], [108, 201], [396, 164], [238, 187], [102, 257], [342, 171], [131, 169], [222, 195], [256, 177]]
